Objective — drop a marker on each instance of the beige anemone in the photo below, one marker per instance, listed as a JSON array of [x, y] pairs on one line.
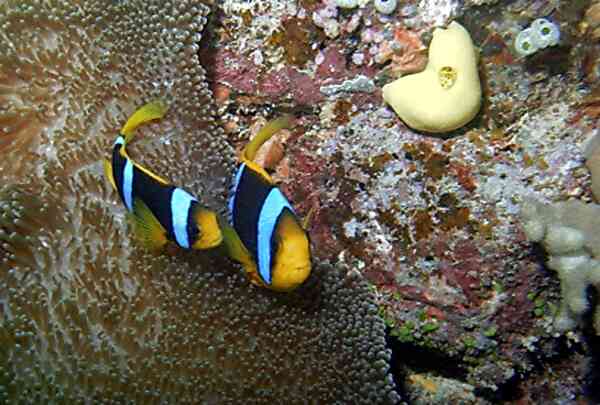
[[85, 313]]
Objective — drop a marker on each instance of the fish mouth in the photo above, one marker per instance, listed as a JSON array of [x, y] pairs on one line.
[[300, 275]]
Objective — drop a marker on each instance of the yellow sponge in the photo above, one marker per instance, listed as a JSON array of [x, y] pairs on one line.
[[447, 94]]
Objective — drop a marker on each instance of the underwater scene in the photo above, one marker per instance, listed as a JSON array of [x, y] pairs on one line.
[[300, 202]]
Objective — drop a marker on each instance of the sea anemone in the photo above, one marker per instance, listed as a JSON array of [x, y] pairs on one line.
[[88, 315]]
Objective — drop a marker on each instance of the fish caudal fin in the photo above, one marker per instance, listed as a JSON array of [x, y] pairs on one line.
[[153, 110], [147, 228], [108, 172], [266, 132]]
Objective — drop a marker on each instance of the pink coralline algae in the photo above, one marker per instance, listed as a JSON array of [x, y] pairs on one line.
[[406, 52]]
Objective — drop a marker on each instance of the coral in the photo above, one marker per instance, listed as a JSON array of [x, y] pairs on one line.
[[432, 222], [447, 94], [592, 162], [347, 3], [430, 389], [296, 39], [569, 232], [87, 314], [358, 84], [437, 12], [326, 18], [591, 20]]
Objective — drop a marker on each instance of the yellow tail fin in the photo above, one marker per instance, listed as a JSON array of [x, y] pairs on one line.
[[108, 172], [153, 110], [266, 132]]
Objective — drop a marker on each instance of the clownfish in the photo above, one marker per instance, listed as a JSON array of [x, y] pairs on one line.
[[265, 235], [161, 211]]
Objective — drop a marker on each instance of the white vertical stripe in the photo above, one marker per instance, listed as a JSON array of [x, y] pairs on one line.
[[128, 184], [180, 210]]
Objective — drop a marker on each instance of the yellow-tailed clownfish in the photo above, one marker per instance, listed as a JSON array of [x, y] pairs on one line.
[[161, 211], [265, 236]]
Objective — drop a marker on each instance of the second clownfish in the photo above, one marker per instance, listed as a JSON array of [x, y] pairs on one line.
[[265, 236], [161, 211]]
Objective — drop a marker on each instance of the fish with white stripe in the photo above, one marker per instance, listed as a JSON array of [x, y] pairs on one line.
[[265, 236], [161, 211]]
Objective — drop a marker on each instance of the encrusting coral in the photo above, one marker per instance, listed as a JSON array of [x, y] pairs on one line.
[[86, 314], [569, 232], [591, 152]]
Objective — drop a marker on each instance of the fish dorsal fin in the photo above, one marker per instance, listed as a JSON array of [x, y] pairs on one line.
[[147, 228], [153, 110], [259, 170], [155, 176]]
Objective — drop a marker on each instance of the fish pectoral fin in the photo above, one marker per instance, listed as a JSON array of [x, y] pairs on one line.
[[153, 110], [147, 228], [236, 250], [233, 245], [108, 172]]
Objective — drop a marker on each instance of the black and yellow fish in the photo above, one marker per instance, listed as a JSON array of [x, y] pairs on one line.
[[161, 211], [267, 237]]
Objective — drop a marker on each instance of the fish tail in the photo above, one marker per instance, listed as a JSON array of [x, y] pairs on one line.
[[266, 132], [108, 172], [153, 110]]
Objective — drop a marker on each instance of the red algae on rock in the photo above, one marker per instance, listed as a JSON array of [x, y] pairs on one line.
[[406, 52], [297, 37]]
